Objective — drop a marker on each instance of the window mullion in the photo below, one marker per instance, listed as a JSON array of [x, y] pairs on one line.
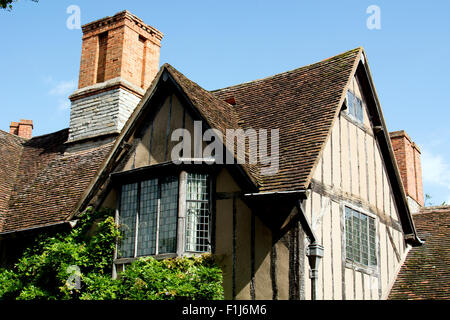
[[181, 233], [361, 248], [136, 231], [368, 241], [158, 209]]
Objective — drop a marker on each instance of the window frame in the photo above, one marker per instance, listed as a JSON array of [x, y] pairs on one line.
[[137, 216], [152, 172], [350, 262], [354, 115]]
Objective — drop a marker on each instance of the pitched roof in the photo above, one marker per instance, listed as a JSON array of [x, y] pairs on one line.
[[10, 151], [43, 184], [425, 273], [216, 112], [302, 104]]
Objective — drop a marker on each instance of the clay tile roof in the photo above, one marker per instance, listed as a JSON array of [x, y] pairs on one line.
[[218, 113], [42, 184], [10, 153], [426, 271], [302, 104]]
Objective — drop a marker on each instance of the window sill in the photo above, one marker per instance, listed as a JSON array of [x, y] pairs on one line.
[[371, 271], [357, 123], [159, 257]]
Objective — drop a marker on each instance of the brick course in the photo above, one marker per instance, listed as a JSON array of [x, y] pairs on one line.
[[119, 59], [119, 46], [23, 129], [407, 154]]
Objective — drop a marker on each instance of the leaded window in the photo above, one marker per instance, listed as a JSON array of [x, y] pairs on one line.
[[355, 106], [197, 213], [149, 216], [360, 237]]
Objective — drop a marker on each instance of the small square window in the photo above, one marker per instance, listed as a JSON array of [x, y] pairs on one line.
[[355, 107]]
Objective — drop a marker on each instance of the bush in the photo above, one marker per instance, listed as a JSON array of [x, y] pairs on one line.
[[171, 279], [45, 269]]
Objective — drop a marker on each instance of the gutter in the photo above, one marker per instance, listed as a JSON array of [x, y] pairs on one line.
[[272, 193], [14, 232]]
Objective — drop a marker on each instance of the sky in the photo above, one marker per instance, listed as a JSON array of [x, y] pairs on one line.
[[222, 43]]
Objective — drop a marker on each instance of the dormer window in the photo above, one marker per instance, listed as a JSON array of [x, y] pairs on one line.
[[355, 107], [160, 215]]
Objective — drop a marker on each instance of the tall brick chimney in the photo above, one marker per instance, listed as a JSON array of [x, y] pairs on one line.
[[407, 154], [119, 59], [22, 129]]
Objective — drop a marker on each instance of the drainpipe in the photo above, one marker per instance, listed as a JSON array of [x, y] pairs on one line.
[[314, 251]]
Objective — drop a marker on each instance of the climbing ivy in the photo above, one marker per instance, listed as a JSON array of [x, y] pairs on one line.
[[51, 267]]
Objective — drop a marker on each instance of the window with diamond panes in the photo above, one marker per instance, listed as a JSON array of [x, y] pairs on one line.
[[355, 106], [197, 213], [360, 237]]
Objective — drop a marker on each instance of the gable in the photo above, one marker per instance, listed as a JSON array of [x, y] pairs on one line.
[[353, 164], [369, 168], [153, 142], [303, 104]]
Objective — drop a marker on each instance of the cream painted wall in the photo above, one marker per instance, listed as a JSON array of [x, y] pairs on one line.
[[351, 171]]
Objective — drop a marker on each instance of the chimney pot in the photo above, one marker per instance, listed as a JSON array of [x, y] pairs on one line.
[[22, 129], [407, 155]]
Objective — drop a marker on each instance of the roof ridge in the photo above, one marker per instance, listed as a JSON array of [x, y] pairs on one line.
[[14, 136], [48, 134], [286, 72], [234, 114]]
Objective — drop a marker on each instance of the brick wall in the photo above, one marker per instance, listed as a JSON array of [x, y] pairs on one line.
[[23, 129], [119, 46], [407, 154], [119, 60]]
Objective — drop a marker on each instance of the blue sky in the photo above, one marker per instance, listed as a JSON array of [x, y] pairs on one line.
[[221, 43]]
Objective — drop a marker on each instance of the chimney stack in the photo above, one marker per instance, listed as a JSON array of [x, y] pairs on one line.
[[407, 154], [22, 129], [119, 60]]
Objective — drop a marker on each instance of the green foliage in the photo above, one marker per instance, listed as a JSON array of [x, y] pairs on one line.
[[171, 279], [44, 270], [7, 4]]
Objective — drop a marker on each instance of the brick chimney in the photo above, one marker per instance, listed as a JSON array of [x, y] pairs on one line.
[[22, 129], [407, 154], [119, 59]]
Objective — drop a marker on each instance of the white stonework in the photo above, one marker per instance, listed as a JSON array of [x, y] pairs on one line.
[[100, 114], [414, 207]]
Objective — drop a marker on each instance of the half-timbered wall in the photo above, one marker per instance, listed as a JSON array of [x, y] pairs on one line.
[[351, 172], [243, 243], [260, 263]]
